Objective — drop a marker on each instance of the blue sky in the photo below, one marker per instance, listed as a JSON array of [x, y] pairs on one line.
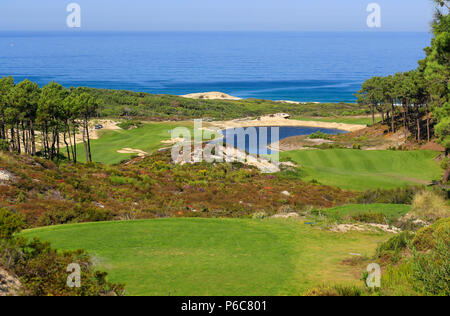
[[216, 15]]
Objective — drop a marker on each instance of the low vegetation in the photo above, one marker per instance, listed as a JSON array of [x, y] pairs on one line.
[[152, 187], [42, 270]]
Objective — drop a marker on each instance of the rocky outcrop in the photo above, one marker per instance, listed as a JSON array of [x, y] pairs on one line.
[[9, 285], [6, 176]]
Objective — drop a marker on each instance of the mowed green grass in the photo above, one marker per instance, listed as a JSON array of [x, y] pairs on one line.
[[391, 211], [147, 138], [361, 170], [215, 256]]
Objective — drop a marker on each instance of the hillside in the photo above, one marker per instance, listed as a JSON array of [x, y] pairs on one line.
[[152, 187]]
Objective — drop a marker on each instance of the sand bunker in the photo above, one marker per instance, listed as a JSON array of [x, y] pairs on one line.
[[173, 141], [139, 152]]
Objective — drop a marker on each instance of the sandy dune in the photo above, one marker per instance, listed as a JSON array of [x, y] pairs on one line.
[[278, 121], [211, 96]]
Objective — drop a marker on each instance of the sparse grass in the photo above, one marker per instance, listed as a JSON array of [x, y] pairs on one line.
[[360, 170], [430, 206], [215, 256], [341, 119], [390, 211]]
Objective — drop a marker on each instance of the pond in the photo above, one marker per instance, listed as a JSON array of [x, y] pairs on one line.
[[264, 136]]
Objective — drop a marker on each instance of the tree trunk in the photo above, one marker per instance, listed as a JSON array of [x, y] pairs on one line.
[[19, 149], [393, 117], [67, 146], [88, 140], [404, 124], [75, 143], [418, 130], [446, 176], [33, 139], [85, 143], [373, 114], [428, 125]]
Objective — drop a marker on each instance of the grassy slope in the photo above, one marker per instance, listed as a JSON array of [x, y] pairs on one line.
[[147, 138], [391, 211], [360, 170], [215, 256]]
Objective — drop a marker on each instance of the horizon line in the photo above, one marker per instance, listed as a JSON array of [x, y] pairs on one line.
[[74, 31]]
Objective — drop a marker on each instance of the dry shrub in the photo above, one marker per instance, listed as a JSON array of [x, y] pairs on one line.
[[335, 290], [426, 238], [429, 206]]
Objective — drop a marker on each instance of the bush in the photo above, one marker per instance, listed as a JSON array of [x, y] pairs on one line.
[[335, 290], [43, 271], [396, 196], [130, 124], [425, 239], [319, 135], [4, 145], [428, 205], [117, 180], [78, 214], [394, 245], [398, 281], [259, 215], [377, 218], [432, 270]]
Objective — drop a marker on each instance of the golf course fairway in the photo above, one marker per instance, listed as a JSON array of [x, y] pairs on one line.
[[183, 256]]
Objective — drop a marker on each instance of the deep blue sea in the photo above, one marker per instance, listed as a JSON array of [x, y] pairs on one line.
[[308, 66]]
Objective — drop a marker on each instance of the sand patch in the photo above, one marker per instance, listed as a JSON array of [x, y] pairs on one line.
[[344, 228], [211, 96], [173, 141], [139, 152], [280, 121], [9, 285]]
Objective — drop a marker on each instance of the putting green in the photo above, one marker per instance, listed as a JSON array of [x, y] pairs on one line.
[[361, 170]]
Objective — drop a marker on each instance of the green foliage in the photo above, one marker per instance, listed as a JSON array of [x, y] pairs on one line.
[[394, 196], [425, 238], [10, 224], [376, 218], [130, 104], [77, 214], [42, 270], [130, 124], [336, 290], [394, 245], [121, 180], [432, 270], [4, 145], [319, 135]]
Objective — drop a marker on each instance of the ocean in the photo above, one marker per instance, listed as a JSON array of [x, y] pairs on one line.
[[297, 66]]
